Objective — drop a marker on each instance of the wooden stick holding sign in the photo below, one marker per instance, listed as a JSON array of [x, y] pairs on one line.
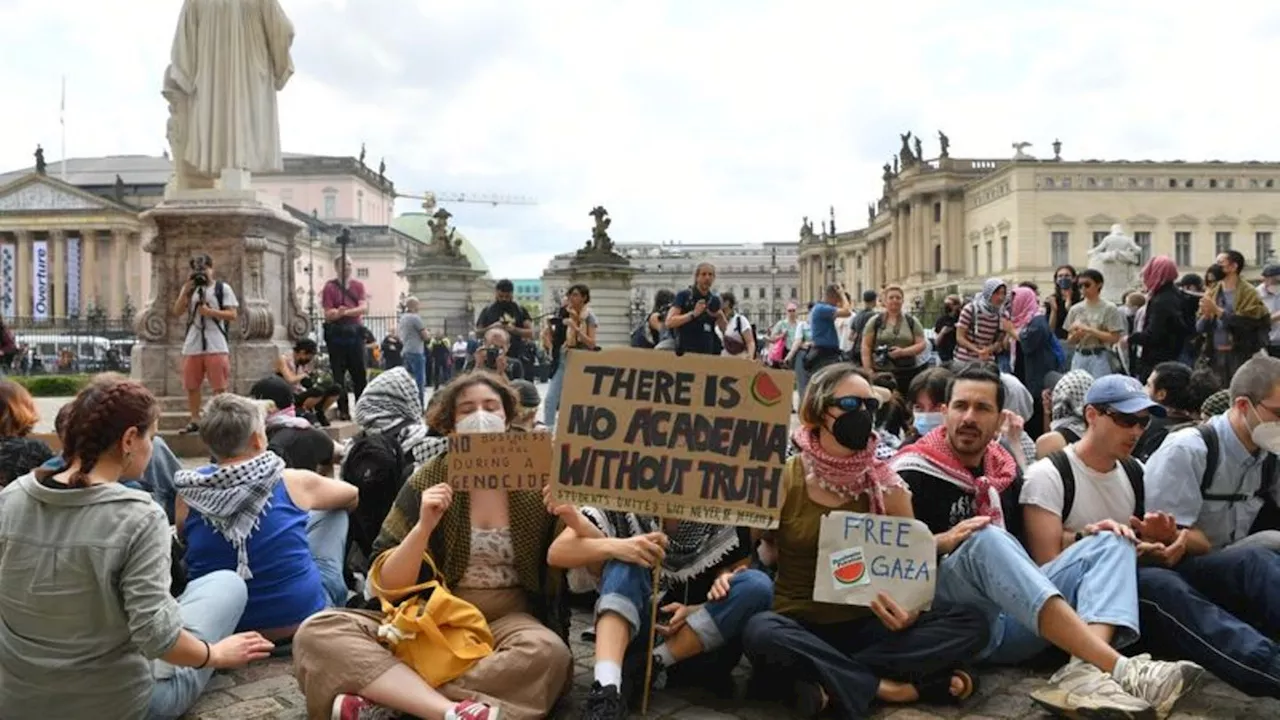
[[861, 555], [686, 437], [500, 461], [653, 640]]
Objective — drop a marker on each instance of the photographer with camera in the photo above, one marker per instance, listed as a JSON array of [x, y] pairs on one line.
[[892, 340], [696, 314], [506, 314], [345, 304], [210, 305], [495, 356]]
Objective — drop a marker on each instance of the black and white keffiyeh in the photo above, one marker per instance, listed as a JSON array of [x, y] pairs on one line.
[[693, 549], [232, 498], [390, 400]]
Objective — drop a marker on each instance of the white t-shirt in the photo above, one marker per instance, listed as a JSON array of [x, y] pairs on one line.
[[214, 340], [737, 328], [1098, 495]]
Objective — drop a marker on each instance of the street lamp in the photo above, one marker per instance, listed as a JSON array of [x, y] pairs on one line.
[[311, 269], [773, 285]]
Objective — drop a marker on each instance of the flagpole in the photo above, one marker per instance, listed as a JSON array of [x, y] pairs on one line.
[[62, 120]]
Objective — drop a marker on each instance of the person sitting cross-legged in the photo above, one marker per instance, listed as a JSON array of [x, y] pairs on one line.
[[707, 591], [963, 486], [284, 531], [1086, 496]]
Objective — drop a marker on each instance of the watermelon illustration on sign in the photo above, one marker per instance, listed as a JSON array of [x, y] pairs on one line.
[[849, 569], [765, 390]]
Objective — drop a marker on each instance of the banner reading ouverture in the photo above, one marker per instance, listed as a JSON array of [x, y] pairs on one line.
[[40, 285], [694, 437]]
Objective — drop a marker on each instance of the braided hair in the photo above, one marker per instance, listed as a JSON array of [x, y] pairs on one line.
[[98, 419]]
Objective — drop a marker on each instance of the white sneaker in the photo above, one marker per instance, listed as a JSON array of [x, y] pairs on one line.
[[1081, 690], [1159, 683]]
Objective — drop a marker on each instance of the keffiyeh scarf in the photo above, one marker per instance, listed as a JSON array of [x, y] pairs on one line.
[[693, 549], [933, 456], [232, 499], [392, 400], [862, 473], [982, 301], [1068, 402]]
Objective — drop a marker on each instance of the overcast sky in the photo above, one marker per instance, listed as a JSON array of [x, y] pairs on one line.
[[690, 120]]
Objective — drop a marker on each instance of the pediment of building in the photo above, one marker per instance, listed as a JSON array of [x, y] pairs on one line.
[[1101, 219], [40, 193], [1183, 219], [1263, 219], [1059, 219], [1223, 219], [1141, 219]]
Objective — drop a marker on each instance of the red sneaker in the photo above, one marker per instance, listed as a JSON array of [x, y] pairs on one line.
[[468, 710], [354, 707]]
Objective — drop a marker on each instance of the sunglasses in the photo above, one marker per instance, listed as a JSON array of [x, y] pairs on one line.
[[850, 403], [1127, 421]]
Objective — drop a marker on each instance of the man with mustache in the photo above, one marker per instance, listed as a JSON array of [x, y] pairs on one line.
[[961, 483]]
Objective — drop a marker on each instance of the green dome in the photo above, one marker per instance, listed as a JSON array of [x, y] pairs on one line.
[[414, 224]]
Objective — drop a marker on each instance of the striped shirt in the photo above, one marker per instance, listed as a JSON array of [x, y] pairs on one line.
[[982, 335]]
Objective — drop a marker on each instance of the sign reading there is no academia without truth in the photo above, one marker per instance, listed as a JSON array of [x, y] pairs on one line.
[[693, 437]]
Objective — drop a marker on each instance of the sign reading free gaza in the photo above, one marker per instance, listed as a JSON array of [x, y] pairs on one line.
[[861, 555], [693, 437]]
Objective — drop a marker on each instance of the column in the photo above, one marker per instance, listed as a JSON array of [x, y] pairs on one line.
[[88, 270], [116, 275], [58, 273], [944, 233], [24, 272]]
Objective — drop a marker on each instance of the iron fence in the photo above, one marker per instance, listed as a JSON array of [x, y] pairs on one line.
[[69, 345]]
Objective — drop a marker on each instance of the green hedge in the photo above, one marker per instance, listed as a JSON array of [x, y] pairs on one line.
[[52, 385]]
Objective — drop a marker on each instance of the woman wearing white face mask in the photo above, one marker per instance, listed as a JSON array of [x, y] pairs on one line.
[[491, 548]]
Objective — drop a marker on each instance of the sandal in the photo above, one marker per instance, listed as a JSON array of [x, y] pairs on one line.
[[936, 689]]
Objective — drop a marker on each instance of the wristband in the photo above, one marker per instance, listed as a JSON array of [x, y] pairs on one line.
[[208, 653]]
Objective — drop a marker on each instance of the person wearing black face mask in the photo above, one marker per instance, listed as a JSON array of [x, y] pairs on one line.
[[836, 469], [1065, 294]]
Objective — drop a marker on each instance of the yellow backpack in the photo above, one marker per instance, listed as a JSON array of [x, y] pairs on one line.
[[431, 630]]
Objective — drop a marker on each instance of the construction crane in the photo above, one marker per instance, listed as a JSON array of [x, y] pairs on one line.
[[431, 200]]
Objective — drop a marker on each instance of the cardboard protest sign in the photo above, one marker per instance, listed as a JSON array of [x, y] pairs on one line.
[[860, 555], [500, 461], [695, 437]]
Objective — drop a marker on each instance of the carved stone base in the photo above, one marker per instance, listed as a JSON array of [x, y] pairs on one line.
[[253, 246], [444, 292]]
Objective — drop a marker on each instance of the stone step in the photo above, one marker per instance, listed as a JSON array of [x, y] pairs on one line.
[[191, 446]]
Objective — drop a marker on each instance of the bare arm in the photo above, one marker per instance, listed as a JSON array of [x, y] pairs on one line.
[[1197, 542], [311, 491], [750, 337], [1046, 538], [293, 378], [183, 302], [676, 319], [897, 502], [867, 340]]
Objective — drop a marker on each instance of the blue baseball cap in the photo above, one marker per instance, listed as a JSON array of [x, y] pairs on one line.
[[1122, 394]]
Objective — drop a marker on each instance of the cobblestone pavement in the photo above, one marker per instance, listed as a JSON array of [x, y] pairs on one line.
[[268, 690]]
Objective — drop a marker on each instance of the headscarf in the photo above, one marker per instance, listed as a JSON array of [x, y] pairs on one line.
[[1024, 307], [861, 473], [982, 301], [1160, 271], [1068, 401], [392, 399], [932, 455]]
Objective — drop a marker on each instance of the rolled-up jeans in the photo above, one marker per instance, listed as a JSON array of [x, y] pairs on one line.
[[626, 590], [991, 571]]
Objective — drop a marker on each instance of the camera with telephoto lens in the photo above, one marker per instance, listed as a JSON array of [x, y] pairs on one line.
[[882, 356], [491, 354], [200, 271]]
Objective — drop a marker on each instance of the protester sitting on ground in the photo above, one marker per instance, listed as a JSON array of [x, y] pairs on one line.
[[75, 639], [312, 397], [284, 531], [1066, 419], [156, 479], [18, 415], [392, 404], [845, 657], [529, 399], [927, 395], [707, 596], [301, 446], [1217, 605], [964, 486], [490, 547], [19, 456]]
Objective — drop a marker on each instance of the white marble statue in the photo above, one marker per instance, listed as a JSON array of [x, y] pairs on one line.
[[228, 61], [1118, 258]]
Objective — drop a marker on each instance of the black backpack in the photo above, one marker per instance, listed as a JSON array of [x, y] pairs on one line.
[[643, 336], [1144, 450], [1132, 468], [378, 466]]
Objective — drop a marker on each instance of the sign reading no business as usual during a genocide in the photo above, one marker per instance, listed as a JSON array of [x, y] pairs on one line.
[[693, 437], [500, 461]]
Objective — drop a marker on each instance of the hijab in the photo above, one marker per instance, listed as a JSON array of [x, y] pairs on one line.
[[982, 301], [1160, 271]]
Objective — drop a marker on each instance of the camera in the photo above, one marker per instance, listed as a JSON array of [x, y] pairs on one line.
[[491, 357], [882, 355], [200, 271]]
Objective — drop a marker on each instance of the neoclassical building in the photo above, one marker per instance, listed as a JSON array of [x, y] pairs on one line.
[[763, 277], [944, 225]]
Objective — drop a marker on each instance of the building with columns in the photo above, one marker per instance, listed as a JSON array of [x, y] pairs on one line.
[[763, 276], [942, 226]]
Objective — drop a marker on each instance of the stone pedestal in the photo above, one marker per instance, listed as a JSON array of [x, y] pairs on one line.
[[443, 285], [608, 276], [253, 246]]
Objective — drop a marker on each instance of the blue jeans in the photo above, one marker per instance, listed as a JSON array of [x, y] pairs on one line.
[[327, 538], [1218, 610], [551, 401], [211, 607], [626, 590], [802, 375], [991, 571], [416, 364], [1098, 365]]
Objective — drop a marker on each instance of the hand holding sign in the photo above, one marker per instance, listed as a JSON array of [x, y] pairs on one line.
[[644, 550]]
